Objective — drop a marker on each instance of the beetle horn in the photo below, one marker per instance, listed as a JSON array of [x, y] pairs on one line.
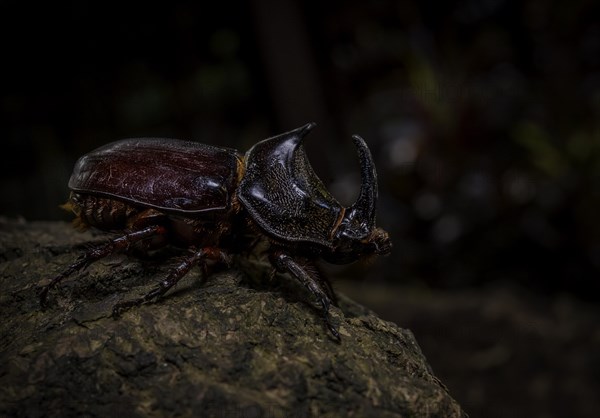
[[363, 210]]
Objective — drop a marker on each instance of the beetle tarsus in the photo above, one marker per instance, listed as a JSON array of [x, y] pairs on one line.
[[96, 253], [325, 303], [333, 330]]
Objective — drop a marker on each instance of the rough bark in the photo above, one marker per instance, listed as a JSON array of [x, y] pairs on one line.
[[237, 345]]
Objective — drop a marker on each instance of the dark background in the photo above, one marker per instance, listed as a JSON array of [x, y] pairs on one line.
[[483, 118]]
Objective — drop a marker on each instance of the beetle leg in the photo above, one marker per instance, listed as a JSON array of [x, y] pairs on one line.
[[284, 262], [94, 254], [316, 273], [174, 276]]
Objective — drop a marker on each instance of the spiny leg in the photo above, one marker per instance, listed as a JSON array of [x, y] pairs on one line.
[[174, 276], [313, 271], [316, 273], [94, 254], [284, 262]]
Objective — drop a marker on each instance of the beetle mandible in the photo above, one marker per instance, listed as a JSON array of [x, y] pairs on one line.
[[211, 199]]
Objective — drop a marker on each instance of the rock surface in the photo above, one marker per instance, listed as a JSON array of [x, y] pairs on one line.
[[238, 345]]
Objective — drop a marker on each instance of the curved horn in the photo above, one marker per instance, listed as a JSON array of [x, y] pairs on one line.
[[363, 210]]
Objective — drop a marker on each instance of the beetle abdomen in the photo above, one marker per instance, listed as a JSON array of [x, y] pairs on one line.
[[101, 212], [166, 174]]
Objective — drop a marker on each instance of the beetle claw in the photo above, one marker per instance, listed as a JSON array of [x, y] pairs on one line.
[[116, 311], [325, 303], [121, 307], [333, 330]]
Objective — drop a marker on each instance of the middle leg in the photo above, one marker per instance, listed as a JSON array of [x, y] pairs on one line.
[[176, 274]]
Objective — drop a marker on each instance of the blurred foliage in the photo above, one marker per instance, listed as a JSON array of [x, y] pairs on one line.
[[486, 117]]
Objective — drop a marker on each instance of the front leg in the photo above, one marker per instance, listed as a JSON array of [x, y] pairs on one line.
[[285, 263]]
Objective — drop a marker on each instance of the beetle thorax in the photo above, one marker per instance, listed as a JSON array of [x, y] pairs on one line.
[[290, 204]]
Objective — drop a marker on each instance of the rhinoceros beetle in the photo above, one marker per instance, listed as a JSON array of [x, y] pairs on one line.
[[214, 200]]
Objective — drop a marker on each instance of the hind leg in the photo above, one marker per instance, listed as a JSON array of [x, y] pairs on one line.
[[118, 244]]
